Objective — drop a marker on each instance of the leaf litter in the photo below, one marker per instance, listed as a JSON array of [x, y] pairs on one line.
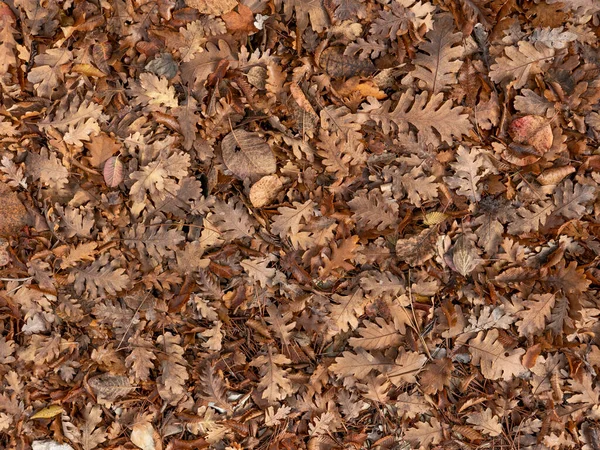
[[252, 224]]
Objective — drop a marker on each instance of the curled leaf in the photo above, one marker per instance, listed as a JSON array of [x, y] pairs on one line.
[[265, 190]]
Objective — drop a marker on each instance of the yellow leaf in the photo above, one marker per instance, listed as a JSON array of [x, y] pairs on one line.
[[88, 70], [48, 412], [435, 217]]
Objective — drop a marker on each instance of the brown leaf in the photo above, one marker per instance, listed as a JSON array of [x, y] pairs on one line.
[[240, 21], [113, 171], [248, 155]]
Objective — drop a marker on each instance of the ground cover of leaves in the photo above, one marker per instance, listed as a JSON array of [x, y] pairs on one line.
[[289, 224]]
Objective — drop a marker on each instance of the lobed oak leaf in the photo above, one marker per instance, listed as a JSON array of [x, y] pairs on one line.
[[537, 310], [274, 382], [495, 361], [357, 365], [232, 220], [406, 367], [288, 222], [374, 209], [213, 7], [48, 74], [100, 277], [436, 121], [339, 255], [194, 39], [213, 387], [423, 434], [402, 16], [376, 336], [155, 240], [439, 60], [47, 168], [140, 360], [485, 422], [469, 170], [520, 62], [154, 92], [306, 11], [345, 311]]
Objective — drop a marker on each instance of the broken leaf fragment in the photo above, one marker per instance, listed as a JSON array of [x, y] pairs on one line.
[[144, 436]]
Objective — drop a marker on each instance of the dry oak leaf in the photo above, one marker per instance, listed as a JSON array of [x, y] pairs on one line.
[[101, 147], [212, 7], [7, 44], [153, 91], [288, 222], [438, 66], [196, 71], [485, 422], [435, 119], [521, 62], [274, 382], [339, 255], [419, 249], [47, 168], [99, 278], [305, 10], [345, 311], [88, 436], [248, 155], [240, 21], [402, 16], [48, 74], [358, 365], [374, 209], [406, 367], [375, 336], [469, 169], [538, 308], [423, 435], [495, 361]]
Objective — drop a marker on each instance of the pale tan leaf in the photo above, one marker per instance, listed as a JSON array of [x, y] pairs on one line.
[[248, 155], [438, 61], [495, 361], [520, 63], [379, 335], [485, 422]]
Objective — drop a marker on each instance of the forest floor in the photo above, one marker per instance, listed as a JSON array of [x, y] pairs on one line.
[[299, 224]]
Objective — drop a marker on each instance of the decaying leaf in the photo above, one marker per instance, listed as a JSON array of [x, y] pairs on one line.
[[247, 155], [299, 224]]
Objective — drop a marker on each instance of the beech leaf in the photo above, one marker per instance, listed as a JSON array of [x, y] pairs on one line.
[[247, 155]]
